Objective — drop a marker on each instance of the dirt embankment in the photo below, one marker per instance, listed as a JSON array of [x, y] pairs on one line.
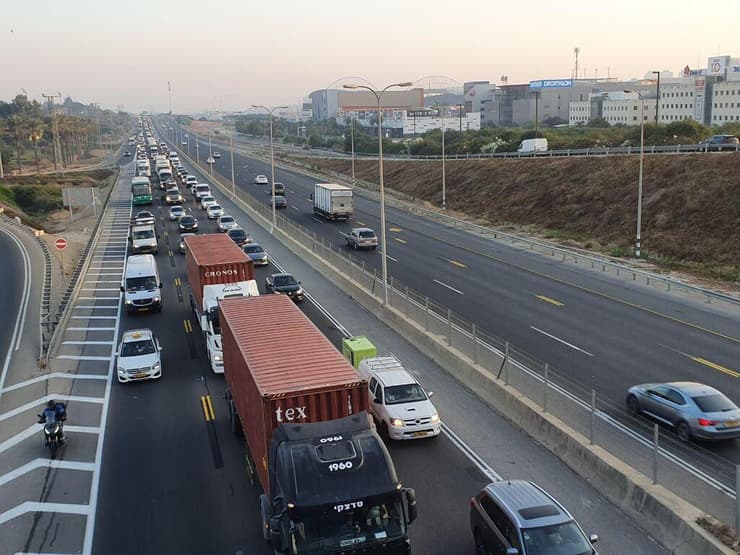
[[690, 209]]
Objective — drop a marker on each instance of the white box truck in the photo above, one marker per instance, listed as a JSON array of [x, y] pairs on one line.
[[533, 145], [332, 201]]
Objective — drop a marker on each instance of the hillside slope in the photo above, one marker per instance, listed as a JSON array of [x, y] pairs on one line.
[[690, 212]]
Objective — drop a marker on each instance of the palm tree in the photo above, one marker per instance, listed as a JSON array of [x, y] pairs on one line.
[[36, 131], [18, 125]]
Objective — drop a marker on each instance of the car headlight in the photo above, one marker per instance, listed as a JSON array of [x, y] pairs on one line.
[[156, 299], [435, 418], [156, 366], [121, 370], [217, 358], [129, 301], [397, 423], [299, 291]]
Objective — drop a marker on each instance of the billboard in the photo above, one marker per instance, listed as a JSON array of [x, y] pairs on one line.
[[551, 84], [717, 64]]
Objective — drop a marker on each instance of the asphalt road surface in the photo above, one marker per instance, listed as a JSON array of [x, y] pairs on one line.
[[602, 333]]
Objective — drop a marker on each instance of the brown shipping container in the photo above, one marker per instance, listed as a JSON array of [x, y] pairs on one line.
[[215, 258], [281, 368]]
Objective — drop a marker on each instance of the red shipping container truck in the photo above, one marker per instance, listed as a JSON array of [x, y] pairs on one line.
[[281, 369], [214, 259]]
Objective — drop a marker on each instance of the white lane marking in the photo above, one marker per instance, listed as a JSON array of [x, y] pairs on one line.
[[55, 375], [87, 343], [19, 437], [80, 357], [316, 220], [98, 298], [448, 287], [90, 307], [93, 317], [561, 341], [38, 507], [107, 273], [43, 400], [89, 329], [472, 456], [44, 463], [388, 256], [17, 330]]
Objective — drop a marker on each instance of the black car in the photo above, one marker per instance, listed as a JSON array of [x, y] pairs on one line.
[[280, 201], [285, 284], [188, 223], [238, 235]]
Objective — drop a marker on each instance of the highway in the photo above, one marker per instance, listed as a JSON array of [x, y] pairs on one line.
[[600, 332], [174, 481]]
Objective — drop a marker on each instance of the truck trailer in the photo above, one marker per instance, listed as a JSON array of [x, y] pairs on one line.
[[217, 269], [332, 201], [328, 480]]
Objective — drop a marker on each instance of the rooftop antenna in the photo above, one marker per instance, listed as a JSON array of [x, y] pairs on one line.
[[576, 51]]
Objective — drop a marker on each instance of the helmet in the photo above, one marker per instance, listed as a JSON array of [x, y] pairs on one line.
[[51, 404]]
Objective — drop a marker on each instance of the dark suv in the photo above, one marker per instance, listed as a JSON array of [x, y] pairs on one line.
[[720, 142], [517, 517]]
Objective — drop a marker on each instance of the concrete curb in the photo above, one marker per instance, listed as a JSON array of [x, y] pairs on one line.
[[666, 517]]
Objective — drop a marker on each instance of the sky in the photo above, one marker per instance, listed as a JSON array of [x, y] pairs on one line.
[[230, 54]]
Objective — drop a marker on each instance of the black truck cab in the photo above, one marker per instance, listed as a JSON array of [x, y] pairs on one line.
[[334, 490]]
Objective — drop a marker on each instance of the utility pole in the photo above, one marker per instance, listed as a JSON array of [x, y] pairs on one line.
[[169, 94], [56, 148]]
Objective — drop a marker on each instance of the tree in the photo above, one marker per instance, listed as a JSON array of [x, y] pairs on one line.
[[35, 132], [597, 122], [18, 126]]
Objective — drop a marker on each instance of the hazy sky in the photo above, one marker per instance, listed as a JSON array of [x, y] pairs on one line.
[[277, 51]]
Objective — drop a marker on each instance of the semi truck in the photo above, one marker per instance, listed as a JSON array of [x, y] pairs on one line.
[[329, 484], [332, 201], [217, 269]]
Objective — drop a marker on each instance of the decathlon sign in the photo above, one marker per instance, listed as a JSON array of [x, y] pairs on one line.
[[551, 84]]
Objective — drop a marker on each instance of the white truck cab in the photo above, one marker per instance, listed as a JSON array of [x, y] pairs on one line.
[[208, 316], [141, 284], [398, 402]]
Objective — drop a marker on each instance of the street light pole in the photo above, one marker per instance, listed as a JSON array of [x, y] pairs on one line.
[[444, 172], [233, 181], [384, 244], [210, 155], [197, 151], [657, 97], [352, 136], [272, 160], [639, 179]]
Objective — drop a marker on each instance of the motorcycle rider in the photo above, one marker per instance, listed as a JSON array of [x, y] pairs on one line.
[[55, 412]]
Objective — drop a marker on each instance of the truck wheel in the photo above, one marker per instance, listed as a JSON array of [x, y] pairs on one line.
[[265, 514]]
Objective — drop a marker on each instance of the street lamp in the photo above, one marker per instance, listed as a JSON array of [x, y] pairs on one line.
[[210, 155], [231, 149], [657, 97], [639, 182], [272, 158], [352, 139], [444, 172], [379, 96], [197, 150]]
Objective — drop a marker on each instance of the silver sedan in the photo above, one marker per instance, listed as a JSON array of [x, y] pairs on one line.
[[226, 222], [694, 410]]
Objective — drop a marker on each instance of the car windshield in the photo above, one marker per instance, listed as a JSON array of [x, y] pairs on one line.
[[714, 403], [214, 207], [367, 234], [253, 249], [138, 348], [558, 539], [148, 283], [144, 216], [237, 234], [187, 220], [284, 281], [227, 219], [407, 393], [332, 530], [176, 211], [143, 234]]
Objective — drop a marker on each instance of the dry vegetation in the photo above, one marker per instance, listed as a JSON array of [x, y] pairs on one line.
[[691, 203]]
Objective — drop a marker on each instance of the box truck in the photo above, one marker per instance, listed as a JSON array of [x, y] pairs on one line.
[[217, 269], [329, 483], [332, 201]]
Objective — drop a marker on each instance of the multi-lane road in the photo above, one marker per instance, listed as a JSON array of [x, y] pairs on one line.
[[600, 332]]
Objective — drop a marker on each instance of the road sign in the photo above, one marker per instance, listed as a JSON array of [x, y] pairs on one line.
[[61, 243]]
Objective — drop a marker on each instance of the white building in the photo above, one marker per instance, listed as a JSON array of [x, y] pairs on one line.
[[418, 122], [725, 98], [626, 109], [579, 113], [681, 99]]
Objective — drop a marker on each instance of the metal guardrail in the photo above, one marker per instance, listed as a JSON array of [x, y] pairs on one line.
[[706, 480]]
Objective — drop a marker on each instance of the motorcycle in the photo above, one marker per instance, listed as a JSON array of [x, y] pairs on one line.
[[53, 434]]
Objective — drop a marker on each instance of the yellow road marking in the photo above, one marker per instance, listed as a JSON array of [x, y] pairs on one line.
[[399, 240], [594, 292], [549, 300], [188, 326], [169, 252], [458, 264], [361, 223], [207, 406], [395, 229], [178, 283], [716, 366]]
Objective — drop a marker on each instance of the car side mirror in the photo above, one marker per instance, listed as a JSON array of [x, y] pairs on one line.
[[410, 494], [122, 289], [593, 538], [430, 394], [377, 400]]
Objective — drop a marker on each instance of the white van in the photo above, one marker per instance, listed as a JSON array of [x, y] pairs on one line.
[[141, 284], [142, 168], [533, 145], [143, 239], [202, 190]]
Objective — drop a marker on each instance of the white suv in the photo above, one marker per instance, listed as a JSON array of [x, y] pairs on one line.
[[398, 402]]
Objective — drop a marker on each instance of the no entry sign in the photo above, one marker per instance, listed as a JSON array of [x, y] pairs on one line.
[[61, 243]]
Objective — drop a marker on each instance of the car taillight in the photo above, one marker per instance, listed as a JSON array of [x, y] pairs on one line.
[[706, 422]]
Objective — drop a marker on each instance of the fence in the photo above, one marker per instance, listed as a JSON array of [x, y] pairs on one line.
[[691, 472]]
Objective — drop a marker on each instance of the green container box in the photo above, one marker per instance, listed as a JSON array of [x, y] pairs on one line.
[[355, 349]]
